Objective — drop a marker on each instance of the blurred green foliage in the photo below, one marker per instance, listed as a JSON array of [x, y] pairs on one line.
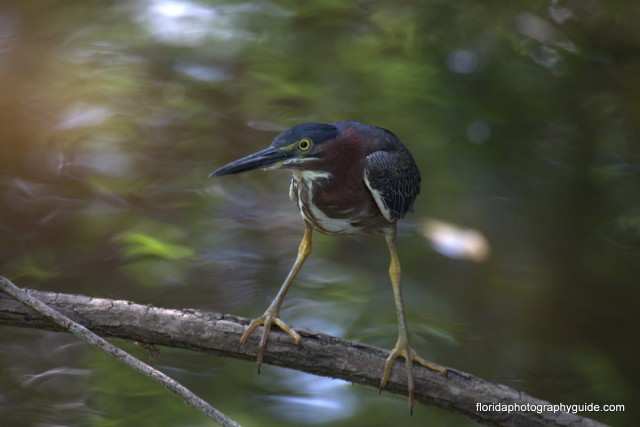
[[523, 117], [138, 245]]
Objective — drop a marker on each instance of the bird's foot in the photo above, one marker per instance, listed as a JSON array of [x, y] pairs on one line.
[[267, 320], [405, 350]]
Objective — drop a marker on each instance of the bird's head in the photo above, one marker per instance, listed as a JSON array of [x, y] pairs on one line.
[[295, 148]]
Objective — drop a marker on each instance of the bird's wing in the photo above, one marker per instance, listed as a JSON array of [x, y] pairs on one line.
[[394, 181]]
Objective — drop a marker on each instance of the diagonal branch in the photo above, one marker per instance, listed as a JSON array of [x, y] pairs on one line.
[[100, 343], [319, 354]]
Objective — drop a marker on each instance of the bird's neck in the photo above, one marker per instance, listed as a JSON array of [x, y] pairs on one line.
[[311, 175]]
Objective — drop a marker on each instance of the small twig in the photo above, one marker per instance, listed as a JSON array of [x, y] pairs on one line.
[[86, 335]]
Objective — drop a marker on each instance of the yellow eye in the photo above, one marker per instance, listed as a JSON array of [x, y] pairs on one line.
[[304, 144]]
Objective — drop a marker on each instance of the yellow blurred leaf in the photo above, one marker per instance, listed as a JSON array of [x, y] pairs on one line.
[[139, 244]]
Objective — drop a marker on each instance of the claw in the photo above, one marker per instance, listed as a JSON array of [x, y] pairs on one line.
[[410, 356], [267, 320]]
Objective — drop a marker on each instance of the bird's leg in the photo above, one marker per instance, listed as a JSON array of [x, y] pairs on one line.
[[272, 314], [403, 345]]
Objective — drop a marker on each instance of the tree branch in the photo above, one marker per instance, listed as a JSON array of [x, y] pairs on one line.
[[86, 335], [318, 354]]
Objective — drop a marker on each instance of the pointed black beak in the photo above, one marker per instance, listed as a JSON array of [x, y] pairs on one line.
[[263, 159]]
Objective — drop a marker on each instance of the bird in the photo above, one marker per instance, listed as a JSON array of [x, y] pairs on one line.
[[346, 178]]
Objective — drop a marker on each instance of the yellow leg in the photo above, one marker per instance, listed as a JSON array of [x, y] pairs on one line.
[[272, 314], [403, 345]]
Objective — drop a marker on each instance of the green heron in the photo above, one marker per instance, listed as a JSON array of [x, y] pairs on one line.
[[347, 177]]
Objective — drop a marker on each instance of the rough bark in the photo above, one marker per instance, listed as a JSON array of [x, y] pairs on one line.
[[319, 354]]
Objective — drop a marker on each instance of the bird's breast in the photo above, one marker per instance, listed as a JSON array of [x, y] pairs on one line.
[[324, 203]]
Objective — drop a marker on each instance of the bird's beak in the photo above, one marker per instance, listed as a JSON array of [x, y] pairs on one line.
[[268, 158]]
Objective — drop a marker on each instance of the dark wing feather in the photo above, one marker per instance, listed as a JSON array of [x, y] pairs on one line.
[[394, 181]]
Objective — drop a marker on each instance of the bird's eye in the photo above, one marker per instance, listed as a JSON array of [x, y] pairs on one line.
[[304, 144]]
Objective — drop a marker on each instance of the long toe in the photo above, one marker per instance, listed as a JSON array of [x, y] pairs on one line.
[[430, 365], [410, 356], [266, 321]]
